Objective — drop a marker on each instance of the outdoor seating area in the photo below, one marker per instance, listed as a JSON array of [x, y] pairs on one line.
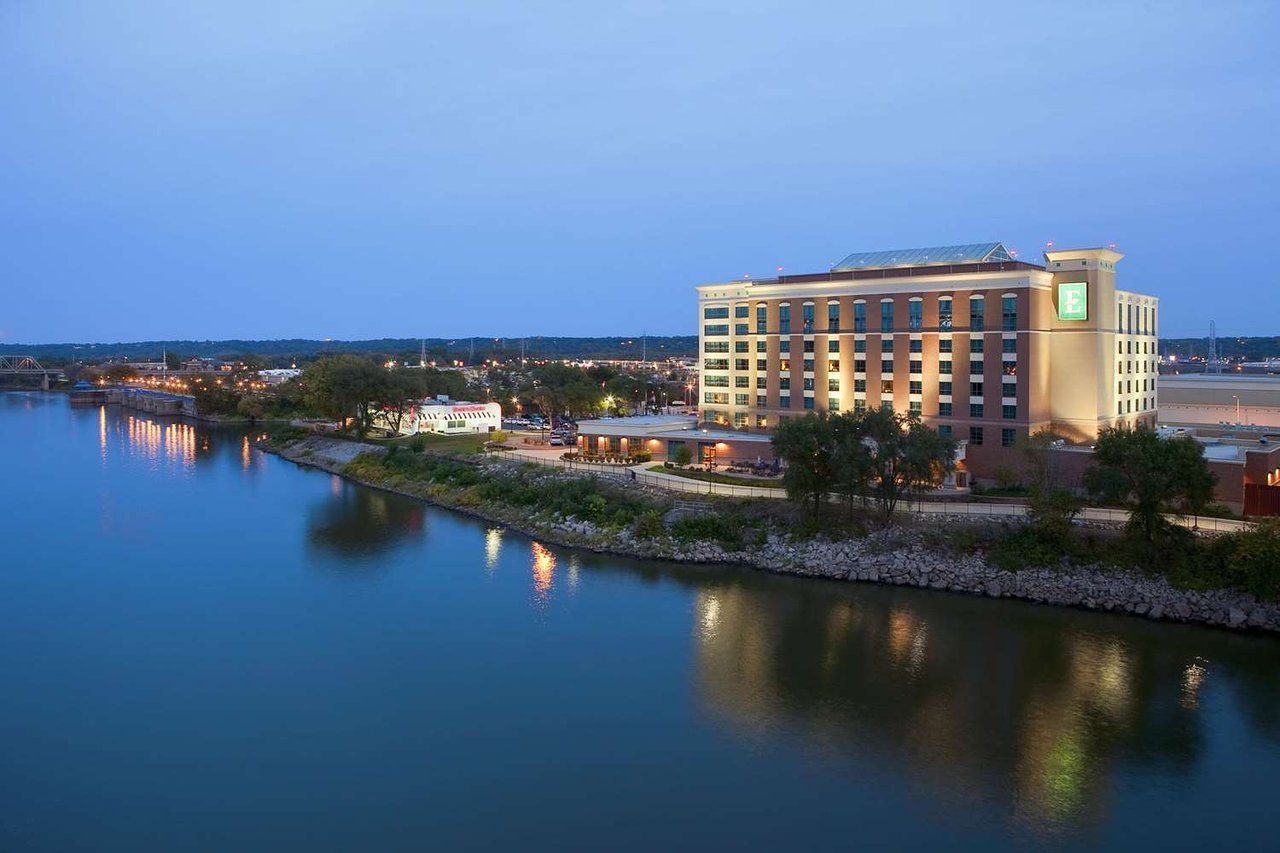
[[608, 458]]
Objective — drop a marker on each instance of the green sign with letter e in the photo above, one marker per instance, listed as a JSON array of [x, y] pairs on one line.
[[1073, 301]]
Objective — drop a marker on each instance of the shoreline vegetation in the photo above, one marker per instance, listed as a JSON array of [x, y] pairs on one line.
[[1233, 582]]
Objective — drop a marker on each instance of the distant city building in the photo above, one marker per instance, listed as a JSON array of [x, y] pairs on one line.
[[278, 375], [985, 347], [451, 417]]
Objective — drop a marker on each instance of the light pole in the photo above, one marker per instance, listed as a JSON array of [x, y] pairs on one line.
[[1236, 397]]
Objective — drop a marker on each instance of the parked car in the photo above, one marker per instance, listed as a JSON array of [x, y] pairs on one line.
[[557, 441]]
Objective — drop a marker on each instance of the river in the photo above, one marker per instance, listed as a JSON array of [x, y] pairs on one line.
[[203, 647]]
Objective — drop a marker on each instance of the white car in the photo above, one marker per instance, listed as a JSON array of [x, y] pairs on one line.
[[557, 441]]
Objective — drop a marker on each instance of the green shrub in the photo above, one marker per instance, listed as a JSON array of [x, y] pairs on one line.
[[648, 525], [722, 529]]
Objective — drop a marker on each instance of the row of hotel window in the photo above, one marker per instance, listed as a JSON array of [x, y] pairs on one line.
[[915, 317], [976, 345], [945, 410], [1136, 319], [783, 365]]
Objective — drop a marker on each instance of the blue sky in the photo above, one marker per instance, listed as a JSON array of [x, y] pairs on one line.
[[354, 170]]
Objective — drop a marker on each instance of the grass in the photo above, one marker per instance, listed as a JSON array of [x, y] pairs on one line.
[[432, 443], [727, 479]]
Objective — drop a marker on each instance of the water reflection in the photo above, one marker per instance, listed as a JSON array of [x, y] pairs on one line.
[[543, 564], [961, 700], [492, 548], [356, 523]]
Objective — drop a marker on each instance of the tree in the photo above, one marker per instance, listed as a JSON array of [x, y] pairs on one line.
[[1051, 507], [1151, 476], [853, 462], [906, 456], [807, 445], [683, 456], [345, 386], [252, 406]]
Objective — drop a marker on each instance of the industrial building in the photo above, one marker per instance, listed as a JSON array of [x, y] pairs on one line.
[[1228, 399]]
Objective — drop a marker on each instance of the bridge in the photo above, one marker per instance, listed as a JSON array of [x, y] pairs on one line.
[[25, 365]]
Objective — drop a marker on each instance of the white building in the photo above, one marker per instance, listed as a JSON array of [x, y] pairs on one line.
[[452, 417]]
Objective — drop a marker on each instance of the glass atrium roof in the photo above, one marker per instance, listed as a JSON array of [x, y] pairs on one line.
[[967, 254]]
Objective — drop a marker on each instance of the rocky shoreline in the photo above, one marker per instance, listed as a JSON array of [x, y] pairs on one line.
[[897, 556]]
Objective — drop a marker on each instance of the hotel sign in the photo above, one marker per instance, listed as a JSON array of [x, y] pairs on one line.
[[1073, 301]]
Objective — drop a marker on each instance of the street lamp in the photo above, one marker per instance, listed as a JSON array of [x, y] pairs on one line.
[[1236, 397]]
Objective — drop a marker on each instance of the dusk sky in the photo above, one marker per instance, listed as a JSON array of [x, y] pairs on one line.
[[357, 170]]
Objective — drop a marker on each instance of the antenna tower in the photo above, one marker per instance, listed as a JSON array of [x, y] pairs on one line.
[[1214, 362]]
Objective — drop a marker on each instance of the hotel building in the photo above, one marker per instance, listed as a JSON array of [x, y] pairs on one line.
[[985, 347]]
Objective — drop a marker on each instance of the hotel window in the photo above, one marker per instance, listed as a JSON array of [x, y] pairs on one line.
[[761, 421], [833, 346], [762, 319], [741, 364], [915, 407], [944, 314], [808, 383], [741, 312], [741, 381], [915, 314], [762, 382], [715, 364], [711, 397], [807, 311], [784, 364], [977, 345], [808, 402], [715, 313], [944, 430], [762, 346], [1010, 369], [1009, 313], [860, 346], [886, 386], [859, 316], [915, 345], [975, 389], [944, 410], [739, 419], [1009, 413], [859, 365], [860, 406], [762, 401], [975, 368], [1008, 437], [915, 387], [1009, 390], [833, 384], [1009, 345], [762, 364], [916, 366], [784, 402], [977, 311], [833, 316], [740, 328], [715, 329], [716, 381], [833, 404], [741, 399], [944, 389], [859, 386], [886, 345], [808, 366], [886, 316], [944, 367], [886, 365], [784, 345], [808, 346], [975, 410], [784, 319], [715, 346], [944, 345], [741, 346], [833, 367], [975, 435], [785, 383]]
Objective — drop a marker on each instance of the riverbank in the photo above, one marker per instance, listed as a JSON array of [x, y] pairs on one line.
[[570, 510]]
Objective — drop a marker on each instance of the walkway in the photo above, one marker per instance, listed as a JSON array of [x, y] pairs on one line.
[[674, 483]]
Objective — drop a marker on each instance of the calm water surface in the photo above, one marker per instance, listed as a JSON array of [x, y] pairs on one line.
[[206, 648]]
